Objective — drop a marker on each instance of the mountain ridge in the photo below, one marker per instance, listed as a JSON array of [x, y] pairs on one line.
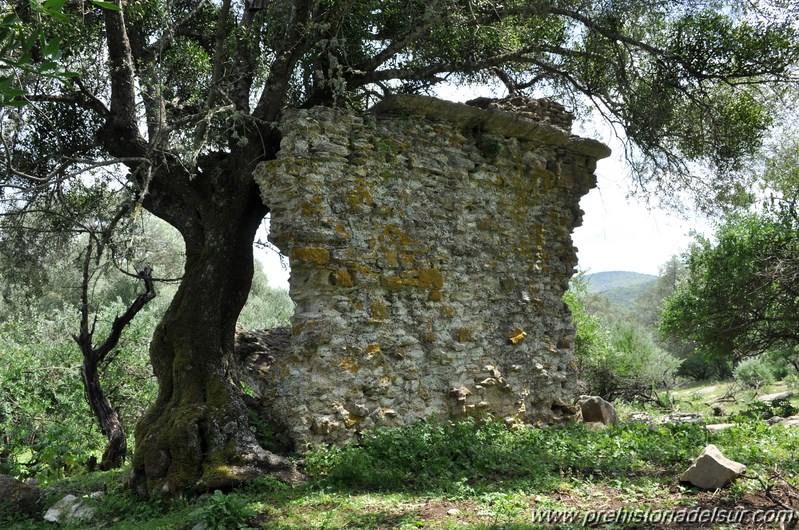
[[620, 287]]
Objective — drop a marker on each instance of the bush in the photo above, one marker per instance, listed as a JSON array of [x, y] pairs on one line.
[[267, 307], [616, 361], [792, 382], [224, 512], [753, 373], [763, 410]]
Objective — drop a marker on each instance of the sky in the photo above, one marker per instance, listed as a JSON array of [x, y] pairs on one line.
[[617, 234], [621, 234]]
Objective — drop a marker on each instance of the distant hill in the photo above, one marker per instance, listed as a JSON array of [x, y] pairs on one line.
[[620, 287]]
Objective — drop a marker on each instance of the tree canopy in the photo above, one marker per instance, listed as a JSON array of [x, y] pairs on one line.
[[173, 103], [741, 294]]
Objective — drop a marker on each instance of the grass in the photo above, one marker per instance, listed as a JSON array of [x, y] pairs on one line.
[[468, 475]]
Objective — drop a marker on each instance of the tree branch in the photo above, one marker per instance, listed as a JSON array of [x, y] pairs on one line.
[[121, 132]]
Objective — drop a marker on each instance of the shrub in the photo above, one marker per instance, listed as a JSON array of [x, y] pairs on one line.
[[753, 373], [48, 428], [616, 361]]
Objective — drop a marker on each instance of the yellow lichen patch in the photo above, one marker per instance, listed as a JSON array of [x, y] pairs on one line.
[[463, 335], [372, 350], [349, 364], [361, 195], [391, 258], [378, 311], [426, 279], [434, 296], [317, 255], [448, 310], [395, 283], [341, 278], [352, 422], [342, 231], [312, 206], [396, 236], [516, 336], [430, 279]]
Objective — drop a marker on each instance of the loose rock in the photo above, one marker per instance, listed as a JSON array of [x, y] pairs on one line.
[[792, 421], [767, 398], [718, 427], [596, 409], [712, 470], [71, 510], [22, 498]]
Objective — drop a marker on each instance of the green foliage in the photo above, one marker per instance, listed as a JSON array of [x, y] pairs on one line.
[[25, 48], [616, 360], [47, 427], [753, 373], [491, 470], [267, 307], [792, 381], [436, 457], [224, 512], [740, 295], [41, 400], [763, 410]]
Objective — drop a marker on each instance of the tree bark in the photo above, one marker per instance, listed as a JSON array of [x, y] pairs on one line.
[[196, 436], [110, 424]]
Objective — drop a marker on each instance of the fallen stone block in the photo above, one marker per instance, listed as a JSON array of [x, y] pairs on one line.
[[712, 470], [718, 427], [767, 398], [594, 409]]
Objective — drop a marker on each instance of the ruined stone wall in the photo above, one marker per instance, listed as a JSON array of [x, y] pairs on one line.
[[430, 247]]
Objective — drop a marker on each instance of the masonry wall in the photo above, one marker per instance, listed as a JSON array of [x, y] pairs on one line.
[[430, 247]]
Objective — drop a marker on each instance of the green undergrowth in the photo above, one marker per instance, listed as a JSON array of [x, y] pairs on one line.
[[443, 458], [453, 475]]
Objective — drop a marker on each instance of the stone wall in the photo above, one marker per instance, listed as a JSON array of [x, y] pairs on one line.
[[430, 247]]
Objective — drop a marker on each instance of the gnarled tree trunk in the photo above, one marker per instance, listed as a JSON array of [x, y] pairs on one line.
[[93, 357], [197, 436]]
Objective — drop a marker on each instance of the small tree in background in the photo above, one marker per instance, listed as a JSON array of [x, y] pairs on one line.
[[741, 295], [616, 360]]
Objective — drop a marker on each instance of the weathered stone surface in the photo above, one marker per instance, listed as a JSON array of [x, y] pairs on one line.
[[641, 417], [792, 421], [20, 497], [766, 398], [718, 427], [430, 246], [712, 470], [72, 510], [594, 409], [683, 417]]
